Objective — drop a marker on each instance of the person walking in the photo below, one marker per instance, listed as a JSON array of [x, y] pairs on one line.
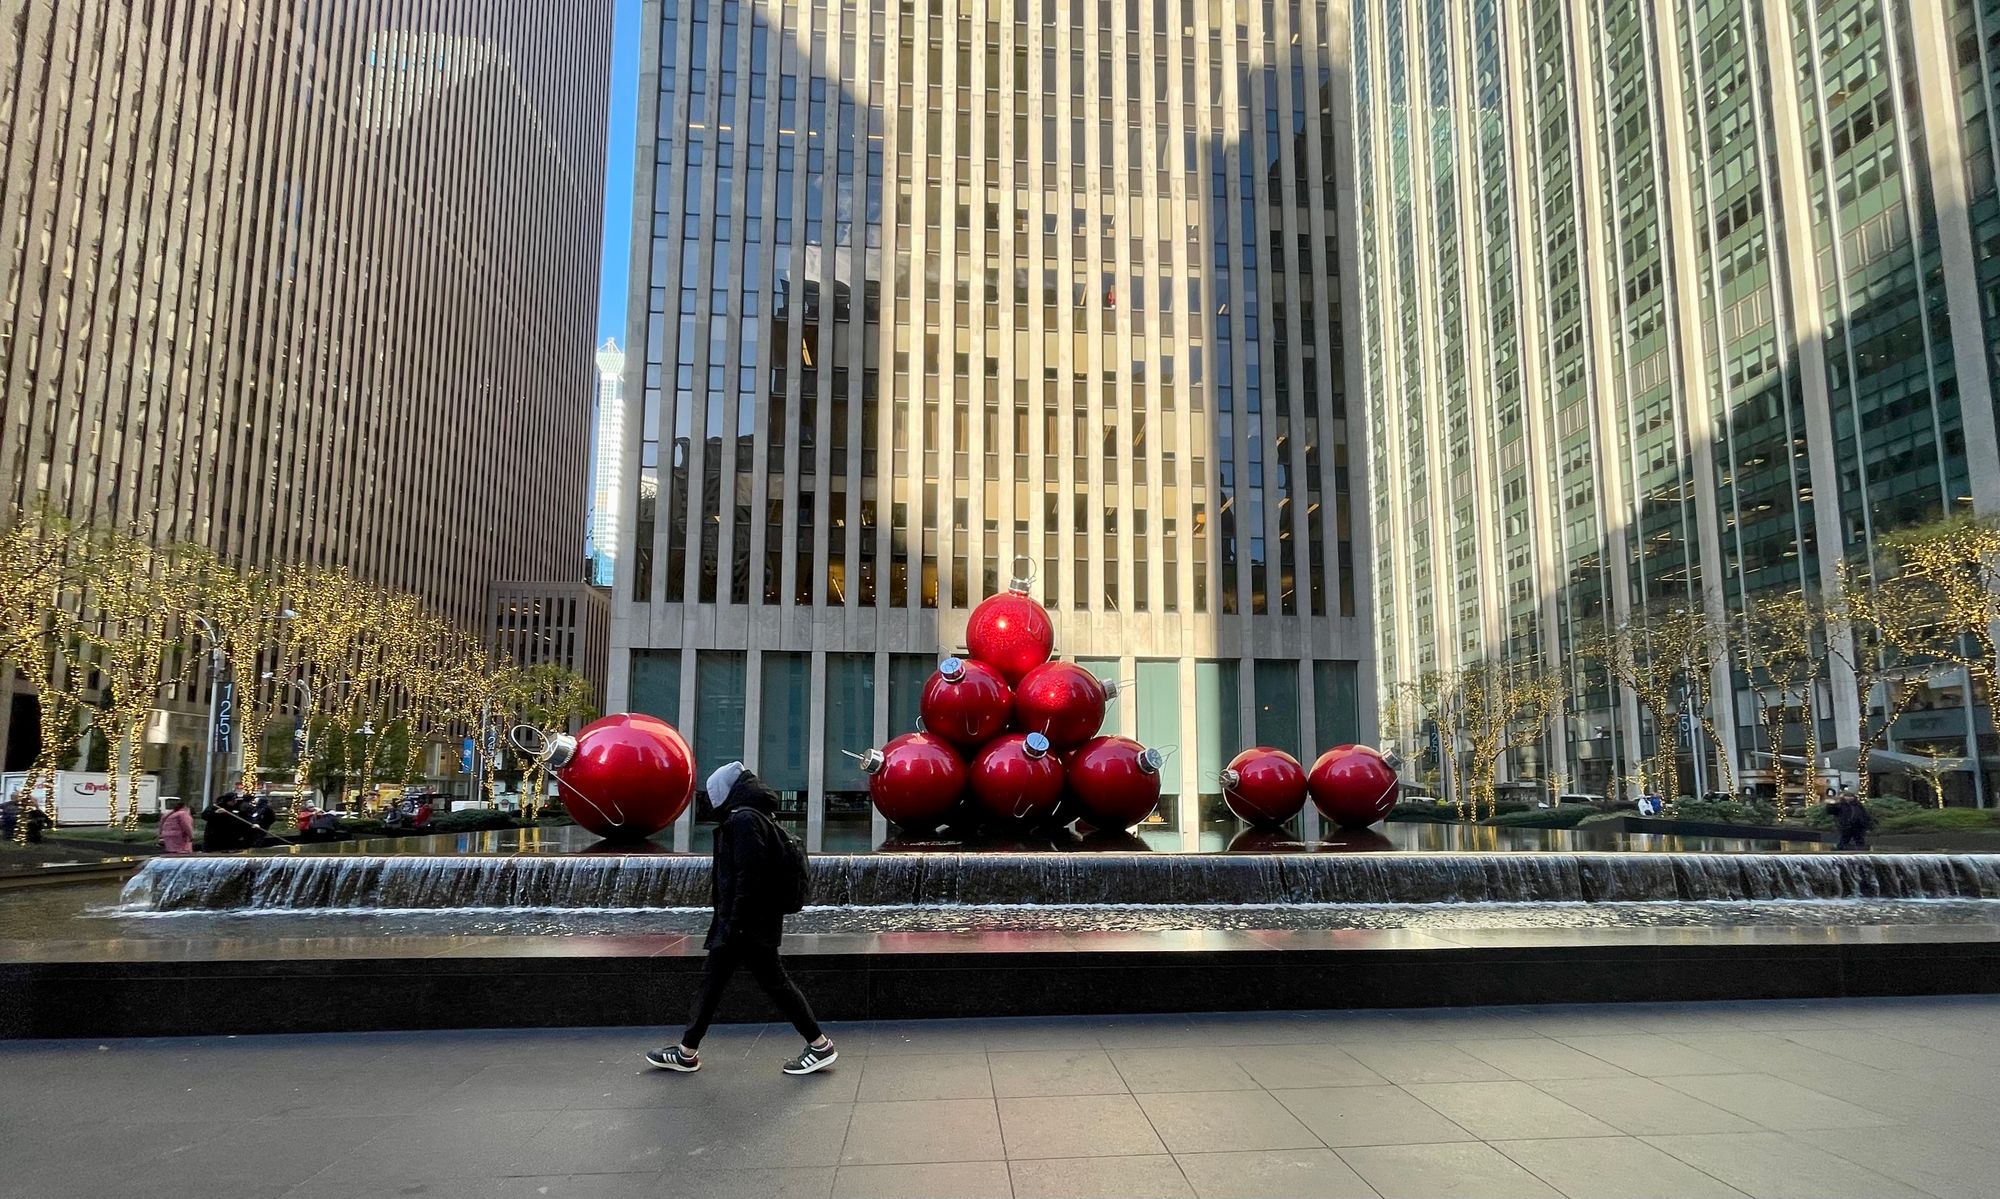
[[177, 829], [757, 878], [1853, 819], [222, 826]]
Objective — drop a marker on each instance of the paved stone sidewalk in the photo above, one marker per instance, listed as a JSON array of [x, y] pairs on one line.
[[1874, 1099]]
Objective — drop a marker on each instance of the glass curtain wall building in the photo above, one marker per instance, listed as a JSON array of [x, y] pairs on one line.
[[925, 287], [1665, 304], [303, 283]]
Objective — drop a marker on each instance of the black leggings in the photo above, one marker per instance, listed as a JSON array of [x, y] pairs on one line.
[[764, 966]]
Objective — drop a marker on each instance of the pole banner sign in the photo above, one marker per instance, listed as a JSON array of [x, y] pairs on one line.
[[225, 718]]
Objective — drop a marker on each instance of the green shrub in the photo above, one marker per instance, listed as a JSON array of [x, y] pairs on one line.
[[474, 821], [1937, 820], [1744, 811], [1883, 809], [1424, 813], [1601, 818]]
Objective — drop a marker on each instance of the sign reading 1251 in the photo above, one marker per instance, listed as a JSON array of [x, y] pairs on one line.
[[225, 718]]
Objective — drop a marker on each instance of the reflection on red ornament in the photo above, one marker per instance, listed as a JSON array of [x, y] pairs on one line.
[[1063, 702], [1264, 786], [967, 703], [624, 777], [1355, 840], [1011, 633], [1016, 779], [1263, 840], [916, 780], [1353, 786], [1115, 781]]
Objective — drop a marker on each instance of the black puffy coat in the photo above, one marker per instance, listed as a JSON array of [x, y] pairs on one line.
[[747, 855]]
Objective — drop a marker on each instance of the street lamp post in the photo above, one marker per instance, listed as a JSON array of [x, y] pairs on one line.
[[305, 722], [214, 635], [1691, 703]]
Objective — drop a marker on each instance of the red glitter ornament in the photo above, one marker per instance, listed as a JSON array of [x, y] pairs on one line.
[[1011, 633], [1353, 786], [1116, 781], [1017, 779], [967, 703], [1264, 786], [624, 777], [916, 780], [1063, 702]]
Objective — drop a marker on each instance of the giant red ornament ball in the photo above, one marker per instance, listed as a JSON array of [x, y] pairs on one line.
[[916, 780], [1063, 702], [1264, 786], [1115, 781], [1011, 633], [1017, 779], [967, 703], [1353, 786], [624, 777]]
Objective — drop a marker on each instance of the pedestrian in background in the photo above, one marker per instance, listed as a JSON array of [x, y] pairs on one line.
[[1853, 819], [177, 829]]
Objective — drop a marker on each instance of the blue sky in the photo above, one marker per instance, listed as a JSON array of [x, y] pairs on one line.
[[618, 174]]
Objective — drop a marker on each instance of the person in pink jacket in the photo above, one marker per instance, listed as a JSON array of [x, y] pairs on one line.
[[177, 828]]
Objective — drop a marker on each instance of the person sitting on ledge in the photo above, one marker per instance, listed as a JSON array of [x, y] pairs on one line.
[[753, 871]]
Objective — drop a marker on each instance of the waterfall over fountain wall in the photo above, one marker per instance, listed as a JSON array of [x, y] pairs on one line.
[[655, 881]]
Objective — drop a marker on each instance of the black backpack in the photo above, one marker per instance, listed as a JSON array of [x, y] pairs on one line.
[[791, 873]]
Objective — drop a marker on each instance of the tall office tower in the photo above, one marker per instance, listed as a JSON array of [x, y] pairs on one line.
[[306, 282], [607, 464], [925, 287], [1666, 304]]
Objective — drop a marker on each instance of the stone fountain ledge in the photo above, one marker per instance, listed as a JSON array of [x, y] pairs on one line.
[[291, 985], [281, 883]]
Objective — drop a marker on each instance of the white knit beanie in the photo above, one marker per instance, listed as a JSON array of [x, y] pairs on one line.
[[719, 783]]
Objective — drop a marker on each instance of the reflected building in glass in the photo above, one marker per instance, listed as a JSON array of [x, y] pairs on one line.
[[923, 288], [1665, 304]]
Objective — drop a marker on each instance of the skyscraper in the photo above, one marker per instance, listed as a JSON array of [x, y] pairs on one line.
[[306, 283], [607, 464], [924, 288], [1665, 304]]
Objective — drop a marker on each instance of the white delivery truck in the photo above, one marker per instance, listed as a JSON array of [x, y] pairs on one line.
[[84, 797]]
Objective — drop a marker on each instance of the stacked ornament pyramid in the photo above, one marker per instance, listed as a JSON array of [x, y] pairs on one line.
[[1013, 739]]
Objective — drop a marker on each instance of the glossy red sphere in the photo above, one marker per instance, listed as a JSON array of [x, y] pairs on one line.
[[1353, 786], [1264, 786], [1063, 702], [1115, 781], [631, 776], [1016, 779], [967, 702], [916, 780], [1011, 633]]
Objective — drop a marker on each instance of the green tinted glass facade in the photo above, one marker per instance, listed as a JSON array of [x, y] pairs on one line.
[[1664, 305]]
